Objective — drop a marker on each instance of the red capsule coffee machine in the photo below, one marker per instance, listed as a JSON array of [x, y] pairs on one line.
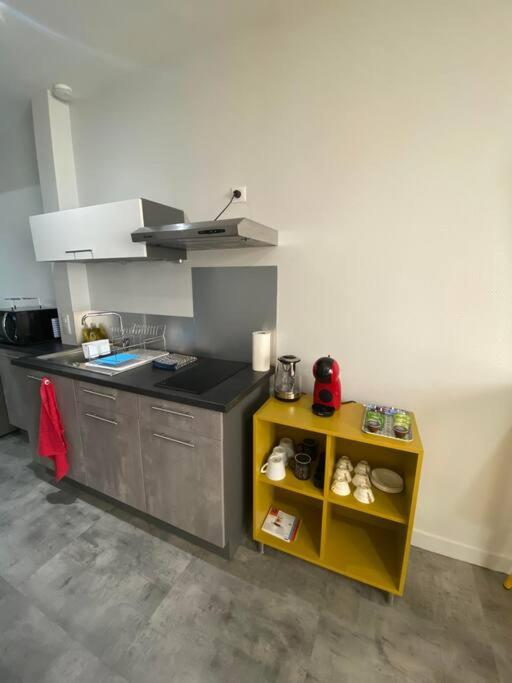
[[327, 393]]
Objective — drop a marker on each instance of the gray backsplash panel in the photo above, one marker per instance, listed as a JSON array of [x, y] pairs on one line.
[[229, 304]]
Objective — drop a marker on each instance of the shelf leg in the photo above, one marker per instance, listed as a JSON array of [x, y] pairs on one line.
[[390, 598], [508, 582], [261, 548]]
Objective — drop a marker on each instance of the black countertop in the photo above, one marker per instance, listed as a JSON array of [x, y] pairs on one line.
[[38, 349], [142, 380]]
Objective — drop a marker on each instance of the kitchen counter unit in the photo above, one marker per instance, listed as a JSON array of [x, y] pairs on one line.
[[12, 408], [35, 349], [221, 398], [180, 458]]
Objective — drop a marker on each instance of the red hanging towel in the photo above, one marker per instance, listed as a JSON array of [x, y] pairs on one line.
[[51, 432]]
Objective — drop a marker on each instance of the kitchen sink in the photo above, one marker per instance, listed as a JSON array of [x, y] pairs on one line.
[[74, 358]]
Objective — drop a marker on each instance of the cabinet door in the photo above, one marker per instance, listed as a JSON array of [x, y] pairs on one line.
[[111, 449], [31, 386], [183, 481], [90, 232], [59, 237], [65, 395], [13, 381], [5, 425]]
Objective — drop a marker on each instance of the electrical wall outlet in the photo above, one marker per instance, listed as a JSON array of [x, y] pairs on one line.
[[243, 194]]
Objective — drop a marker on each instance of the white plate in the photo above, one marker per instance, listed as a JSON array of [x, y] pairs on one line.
[[387, 480]]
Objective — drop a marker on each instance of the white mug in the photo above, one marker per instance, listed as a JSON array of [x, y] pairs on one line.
[[362, 467], [341, 475], [364, 495], [340, 488], [279, 450], [288, 446], [345, 459], [361, 480], [274, 468]]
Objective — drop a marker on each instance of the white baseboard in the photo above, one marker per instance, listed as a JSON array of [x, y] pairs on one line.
[[461, 551]]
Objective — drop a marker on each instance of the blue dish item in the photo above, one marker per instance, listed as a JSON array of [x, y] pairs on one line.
[[117, 359]]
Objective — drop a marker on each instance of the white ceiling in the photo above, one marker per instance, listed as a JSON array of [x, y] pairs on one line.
[[89, 42]]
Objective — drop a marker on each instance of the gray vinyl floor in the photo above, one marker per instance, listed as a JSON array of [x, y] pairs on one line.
[[89, 593]]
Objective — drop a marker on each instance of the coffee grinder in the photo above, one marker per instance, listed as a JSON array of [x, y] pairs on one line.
[[327, 392]]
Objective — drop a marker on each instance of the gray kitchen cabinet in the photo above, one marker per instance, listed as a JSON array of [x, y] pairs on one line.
[[13, 379], [111, 448], [185, 465], [183, 480], [65, 395]]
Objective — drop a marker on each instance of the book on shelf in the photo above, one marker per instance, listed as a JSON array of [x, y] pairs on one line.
[[281, 524]]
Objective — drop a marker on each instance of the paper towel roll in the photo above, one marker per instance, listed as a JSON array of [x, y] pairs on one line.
[[261, 350]]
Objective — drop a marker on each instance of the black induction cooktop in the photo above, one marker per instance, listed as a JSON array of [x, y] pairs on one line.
[[202, 376]]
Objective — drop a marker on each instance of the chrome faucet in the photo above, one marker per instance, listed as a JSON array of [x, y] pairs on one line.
[[92, 314]]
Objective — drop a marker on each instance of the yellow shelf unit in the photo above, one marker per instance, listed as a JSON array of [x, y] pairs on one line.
[[369, 543]]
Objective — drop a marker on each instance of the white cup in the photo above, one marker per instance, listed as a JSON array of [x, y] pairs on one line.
[[274, 468], [363, 467], [361, 480], [279, 450], [341, 475], [364, 495], [340, 488], [345, 459], [288, 446]]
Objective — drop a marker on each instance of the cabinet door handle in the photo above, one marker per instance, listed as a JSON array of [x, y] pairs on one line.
[[79, 251], [102, 419], [173, 412], [39, 379], [98, 393], [168, 438]]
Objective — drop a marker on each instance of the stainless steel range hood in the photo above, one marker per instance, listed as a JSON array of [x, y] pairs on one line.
[[231, 233]]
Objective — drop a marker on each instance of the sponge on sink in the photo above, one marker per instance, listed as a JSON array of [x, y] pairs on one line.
[[115, 360]]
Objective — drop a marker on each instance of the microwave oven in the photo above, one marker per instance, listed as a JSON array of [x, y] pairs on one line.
[[26, 325]]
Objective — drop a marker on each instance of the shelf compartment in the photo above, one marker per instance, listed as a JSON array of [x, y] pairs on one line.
[[266, 436], [291, 483], [307, 542], [364, 551], [391, 506]]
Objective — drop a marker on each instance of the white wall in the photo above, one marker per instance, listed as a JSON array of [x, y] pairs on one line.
[[20, 197], [377, 138], [20, 275]]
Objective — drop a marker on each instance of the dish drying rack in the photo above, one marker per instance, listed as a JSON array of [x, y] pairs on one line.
[[136, 337]]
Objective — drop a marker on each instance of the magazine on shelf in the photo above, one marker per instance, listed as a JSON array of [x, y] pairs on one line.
[[281, 524]]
